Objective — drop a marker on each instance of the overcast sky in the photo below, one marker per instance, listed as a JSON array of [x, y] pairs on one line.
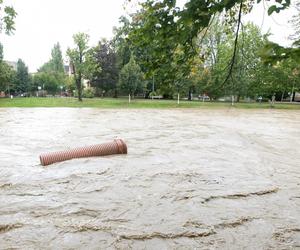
[[42, 23]]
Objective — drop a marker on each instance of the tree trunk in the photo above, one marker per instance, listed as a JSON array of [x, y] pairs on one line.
[[190, 94], [238, 98], [116, 93], [282, 95], [80, 77], [80, 94], [79, 89], [292, 94]]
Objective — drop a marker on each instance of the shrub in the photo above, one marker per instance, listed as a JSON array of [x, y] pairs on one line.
[[88, 93]]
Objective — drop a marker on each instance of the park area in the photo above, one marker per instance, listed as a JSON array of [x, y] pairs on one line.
[[150, 124], [122, 103], [208, 177]]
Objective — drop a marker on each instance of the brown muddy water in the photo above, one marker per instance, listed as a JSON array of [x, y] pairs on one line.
[[192, 179]]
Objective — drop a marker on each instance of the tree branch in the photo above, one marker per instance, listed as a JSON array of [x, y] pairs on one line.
[[235, 45]]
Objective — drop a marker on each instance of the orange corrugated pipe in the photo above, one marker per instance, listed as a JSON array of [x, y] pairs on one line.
[[118, 146]]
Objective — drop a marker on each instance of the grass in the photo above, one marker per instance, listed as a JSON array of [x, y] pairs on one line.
[[136, 103]]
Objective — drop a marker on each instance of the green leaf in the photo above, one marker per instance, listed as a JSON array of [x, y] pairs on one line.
[[272, 9]]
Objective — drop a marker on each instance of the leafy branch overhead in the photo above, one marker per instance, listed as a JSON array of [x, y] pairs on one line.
[[160, 28], [280, 5], [7, 18], [273, 53]]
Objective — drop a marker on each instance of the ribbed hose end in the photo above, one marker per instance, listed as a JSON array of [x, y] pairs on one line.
[[118, 146], [121, 146], [42, 161]]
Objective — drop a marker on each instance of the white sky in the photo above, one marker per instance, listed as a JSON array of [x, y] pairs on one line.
[[42, 23]]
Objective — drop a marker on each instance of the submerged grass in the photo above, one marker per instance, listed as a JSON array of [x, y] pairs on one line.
[[136, 103]]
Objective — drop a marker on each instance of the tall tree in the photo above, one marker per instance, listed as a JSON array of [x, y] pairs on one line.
[[77, 58], [23, 79], [55, 64], [6, 74], [248, 63], [51, 75], [131, 78], [57, 59], [105, 57], [121, 43], [217, 48], [296, 24], [215, 51]]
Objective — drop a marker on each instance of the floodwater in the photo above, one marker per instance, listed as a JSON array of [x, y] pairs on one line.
[[192, 179]]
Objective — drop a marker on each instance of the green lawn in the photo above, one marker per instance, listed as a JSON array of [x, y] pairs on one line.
[[123, 103]]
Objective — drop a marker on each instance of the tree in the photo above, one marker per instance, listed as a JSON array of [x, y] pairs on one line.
[[215, 52], [52, 73], [274, 52], [23, 80], [162, 28], [7, 75], [7, 18], [155, 49], [55, 64], [248, 63], [1, 53], [217, 48], [295, 21], [281, 79], [131, 78], [285, 59], [202, 47], [57, 59], [77, 58], [106, 77], [121, 43], [47, 81]]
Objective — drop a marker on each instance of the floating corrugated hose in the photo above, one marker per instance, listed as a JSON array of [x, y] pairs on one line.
[[118, 146]]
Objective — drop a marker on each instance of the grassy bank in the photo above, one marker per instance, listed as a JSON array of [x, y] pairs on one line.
[[137, 103]]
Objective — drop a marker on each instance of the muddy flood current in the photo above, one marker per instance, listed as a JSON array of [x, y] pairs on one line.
[[192, 179]]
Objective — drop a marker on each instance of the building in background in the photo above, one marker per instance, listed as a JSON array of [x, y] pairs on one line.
[[12, 64], [70, 72]]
